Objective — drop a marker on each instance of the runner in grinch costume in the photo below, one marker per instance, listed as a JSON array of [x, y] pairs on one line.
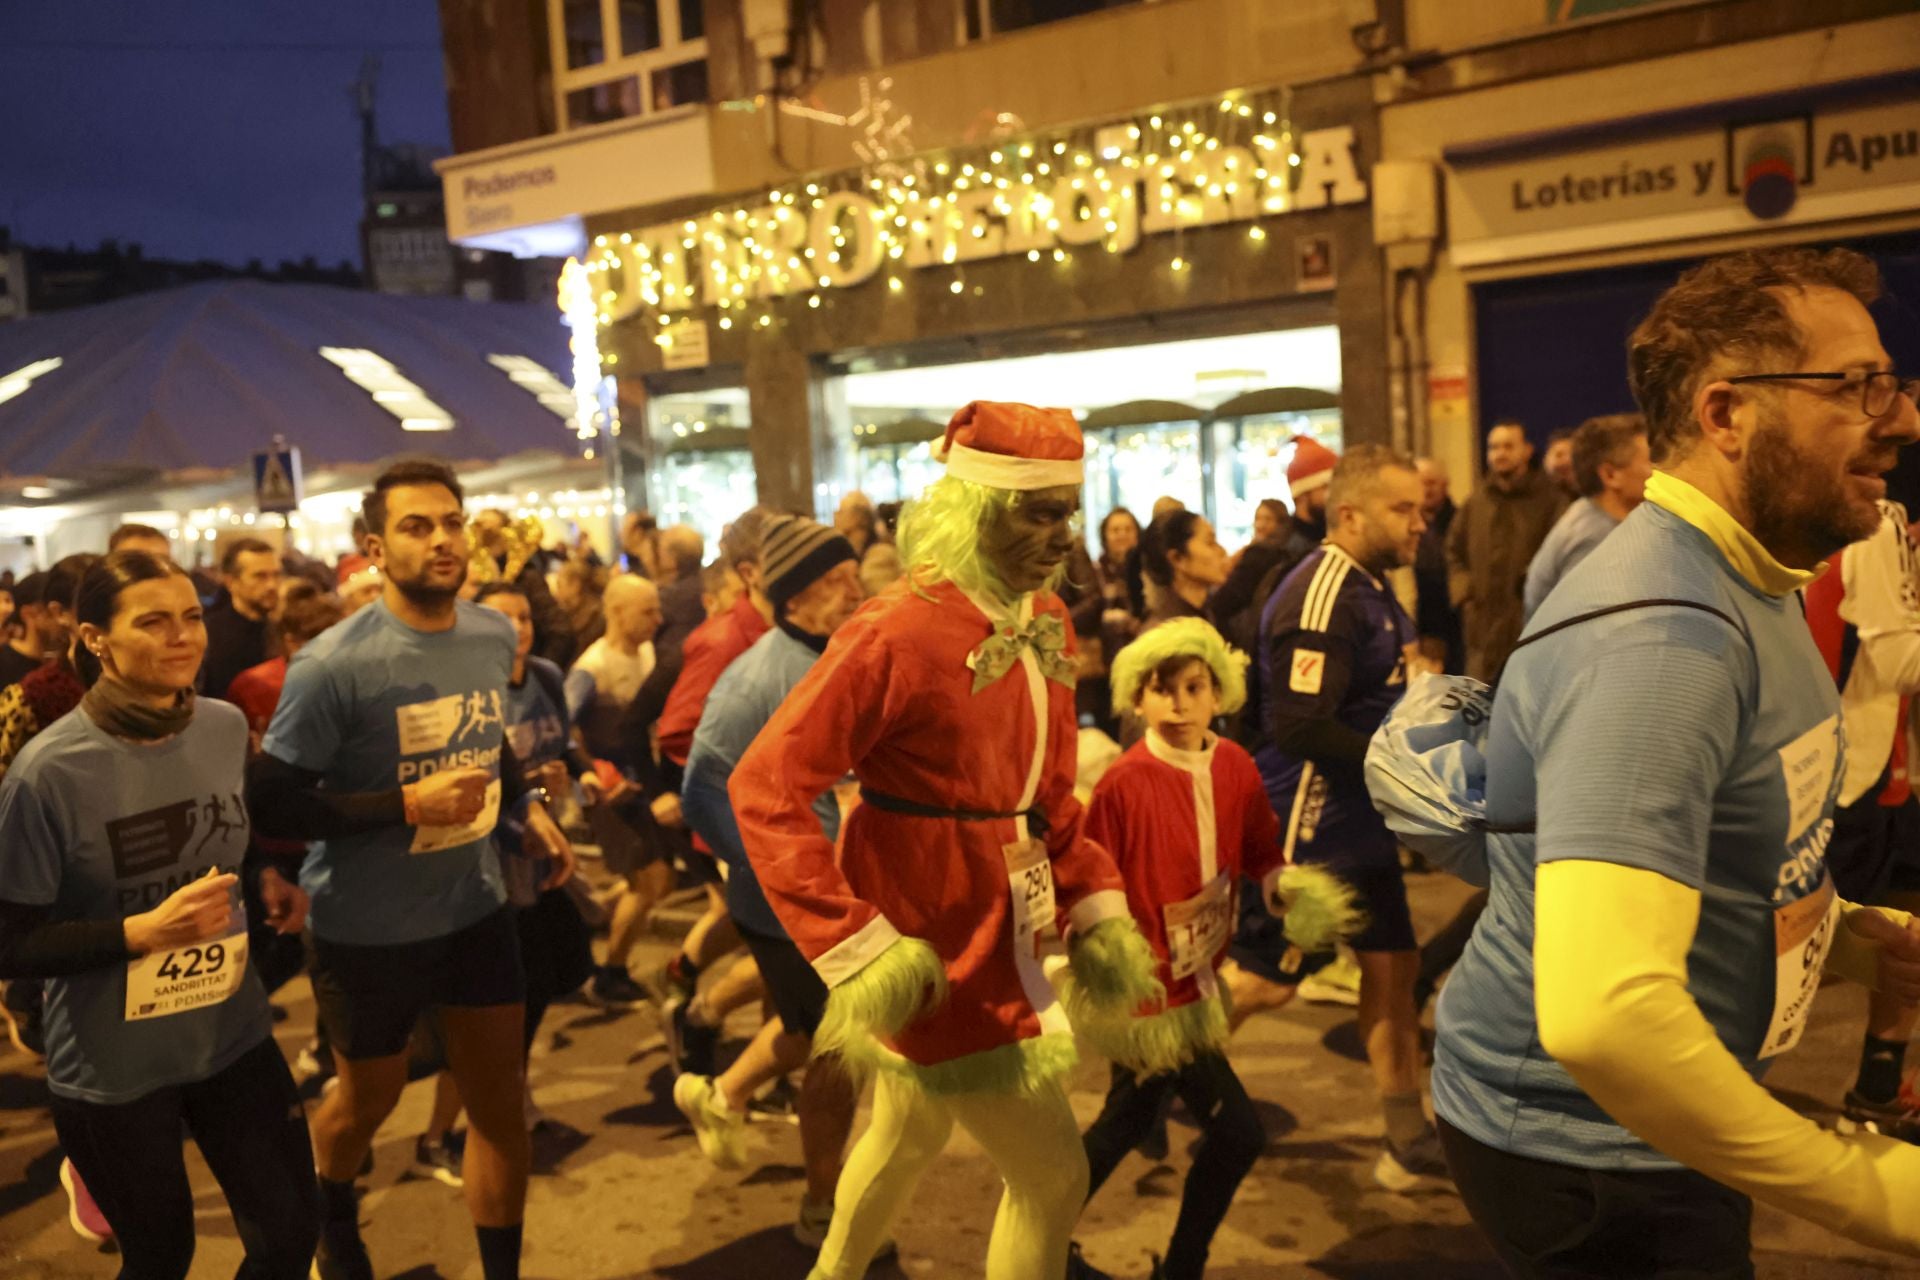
[[964, 869]]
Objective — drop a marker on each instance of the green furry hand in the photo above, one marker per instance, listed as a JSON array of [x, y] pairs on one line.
[[897, 986], [1319, 908], [1114, 967]]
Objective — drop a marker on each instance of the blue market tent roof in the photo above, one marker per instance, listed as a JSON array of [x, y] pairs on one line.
[[202, 376]]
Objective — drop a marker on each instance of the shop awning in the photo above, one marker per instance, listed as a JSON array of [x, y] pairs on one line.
[[198, 378], [1142, 413], [1277, 400]]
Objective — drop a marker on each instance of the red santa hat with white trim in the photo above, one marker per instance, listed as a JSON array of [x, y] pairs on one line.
[[1014, 446], [1311, 467]]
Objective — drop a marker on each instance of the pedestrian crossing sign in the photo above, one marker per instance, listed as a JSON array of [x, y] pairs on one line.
[[276, 479]]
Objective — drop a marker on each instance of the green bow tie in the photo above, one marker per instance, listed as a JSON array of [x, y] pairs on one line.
[[1046, 635]]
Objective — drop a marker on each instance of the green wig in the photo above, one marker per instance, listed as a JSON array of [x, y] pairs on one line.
[[1180, 638], [941, 533]]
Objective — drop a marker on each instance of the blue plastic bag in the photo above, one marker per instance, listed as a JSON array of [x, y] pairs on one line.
[[1427, 772]]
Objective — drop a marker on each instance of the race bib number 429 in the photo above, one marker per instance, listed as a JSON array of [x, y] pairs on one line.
[[168, 982]]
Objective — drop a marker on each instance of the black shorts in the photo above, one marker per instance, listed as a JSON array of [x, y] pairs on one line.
[[798, 994], [1382, 893], [370, 997], [701, 867], [1904, 877], [627, 834], [1260, 943]]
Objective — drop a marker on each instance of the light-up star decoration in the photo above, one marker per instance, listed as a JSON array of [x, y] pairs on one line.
[[882, 135]]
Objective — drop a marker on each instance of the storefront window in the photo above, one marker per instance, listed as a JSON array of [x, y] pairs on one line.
[[1134, 467], [701, 470], [1154, 417], [1251, 453]]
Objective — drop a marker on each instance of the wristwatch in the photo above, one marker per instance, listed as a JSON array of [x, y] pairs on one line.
[[536, 793]]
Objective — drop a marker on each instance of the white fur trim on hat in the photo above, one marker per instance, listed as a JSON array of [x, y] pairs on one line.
[[1001, 471], [1311, 481]]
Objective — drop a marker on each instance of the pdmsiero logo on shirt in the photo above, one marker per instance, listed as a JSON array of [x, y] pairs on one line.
[[157, 838], [441, 725]]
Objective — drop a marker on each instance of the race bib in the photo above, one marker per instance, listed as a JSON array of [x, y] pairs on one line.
[[1802, 934], [1198, 928], [1030, 880], [434, 839], [169, 982]]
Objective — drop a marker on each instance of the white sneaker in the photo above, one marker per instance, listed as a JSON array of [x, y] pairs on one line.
[[811, 1228], [719, 1130], [1338, 983], [1418, 1166]]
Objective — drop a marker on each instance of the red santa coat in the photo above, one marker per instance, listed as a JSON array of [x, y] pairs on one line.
[[892, 701], [1184, 826]]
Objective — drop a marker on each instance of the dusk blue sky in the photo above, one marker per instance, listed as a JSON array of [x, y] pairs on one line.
[[204, 128]]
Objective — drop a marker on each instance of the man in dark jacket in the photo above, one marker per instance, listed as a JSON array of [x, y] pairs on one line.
[[1438, 621], [1491, 543]]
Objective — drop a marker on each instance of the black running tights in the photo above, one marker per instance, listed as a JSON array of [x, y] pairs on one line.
[[1231, 1139], [248, 1123]]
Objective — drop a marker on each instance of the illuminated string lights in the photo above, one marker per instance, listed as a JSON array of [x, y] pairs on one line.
[[1104, 188]]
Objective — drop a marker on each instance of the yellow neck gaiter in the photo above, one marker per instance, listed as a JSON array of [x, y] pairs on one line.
[[1742, 550]]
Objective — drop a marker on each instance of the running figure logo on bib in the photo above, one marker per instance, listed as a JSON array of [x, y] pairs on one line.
[[161, 983], [465, 729]]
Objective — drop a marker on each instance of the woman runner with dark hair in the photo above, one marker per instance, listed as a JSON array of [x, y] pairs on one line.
[[121, 830]]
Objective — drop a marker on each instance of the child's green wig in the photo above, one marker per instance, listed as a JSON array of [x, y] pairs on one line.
[[1180, 638]]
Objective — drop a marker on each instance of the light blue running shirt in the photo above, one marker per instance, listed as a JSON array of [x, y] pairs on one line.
[[1705, 748], [372, 704], [98, 828]]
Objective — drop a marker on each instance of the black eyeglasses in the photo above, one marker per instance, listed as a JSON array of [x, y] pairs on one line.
[[1877, 389]]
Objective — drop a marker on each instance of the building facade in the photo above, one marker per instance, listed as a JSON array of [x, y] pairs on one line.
[[1581, 165], [805, 234], [804, 246]]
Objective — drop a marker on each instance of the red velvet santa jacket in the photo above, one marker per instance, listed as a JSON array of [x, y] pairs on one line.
[[1184, 826], [892, 701]]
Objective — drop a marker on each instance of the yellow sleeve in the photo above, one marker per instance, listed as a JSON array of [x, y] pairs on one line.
[[1853, 957], [1610, 992]]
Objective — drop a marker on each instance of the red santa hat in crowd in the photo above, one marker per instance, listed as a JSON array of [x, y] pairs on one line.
[[1311, 468], [1014, 446]]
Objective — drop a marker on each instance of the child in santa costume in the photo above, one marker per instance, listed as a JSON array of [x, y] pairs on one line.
[[1185, 815], [951, 698]]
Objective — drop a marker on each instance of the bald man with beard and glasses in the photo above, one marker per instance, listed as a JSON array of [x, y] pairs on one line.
[[600, 687], [1663, 762]]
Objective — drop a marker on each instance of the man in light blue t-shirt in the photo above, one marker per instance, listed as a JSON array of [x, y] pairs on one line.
[[1661, 771], [1611, 465], [388, 751]]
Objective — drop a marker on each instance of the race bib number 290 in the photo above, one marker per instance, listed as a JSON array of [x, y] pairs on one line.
[[169, 982]]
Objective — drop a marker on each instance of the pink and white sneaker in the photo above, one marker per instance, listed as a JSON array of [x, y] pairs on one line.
[[83, 1215]]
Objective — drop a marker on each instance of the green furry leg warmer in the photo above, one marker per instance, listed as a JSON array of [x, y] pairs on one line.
[[1319, 908], [1115, 969], [896, 986]]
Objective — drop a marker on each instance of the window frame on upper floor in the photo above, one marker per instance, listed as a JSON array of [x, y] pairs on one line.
[[615, 66]]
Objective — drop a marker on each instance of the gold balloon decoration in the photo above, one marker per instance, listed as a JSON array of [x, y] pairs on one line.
[[522, 537]]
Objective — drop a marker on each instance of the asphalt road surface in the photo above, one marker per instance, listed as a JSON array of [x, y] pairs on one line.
[[621, 1190]]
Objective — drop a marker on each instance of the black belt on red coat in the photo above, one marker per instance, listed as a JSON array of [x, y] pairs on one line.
[[1036, 817]]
